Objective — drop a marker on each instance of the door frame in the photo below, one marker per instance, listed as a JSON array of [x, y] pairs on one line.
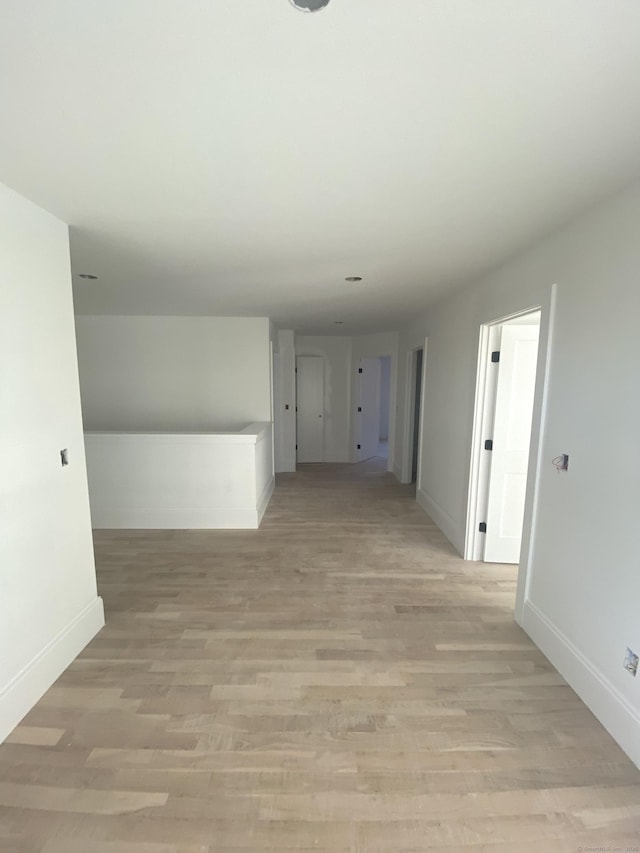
[[321, 361], [410, 410], [354, 427], [482, 422], [359, 404]]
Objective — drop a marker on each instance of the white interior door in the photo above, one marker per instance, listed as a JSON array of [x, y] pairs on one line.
[[511, 439], [310, 408], [369, 376]]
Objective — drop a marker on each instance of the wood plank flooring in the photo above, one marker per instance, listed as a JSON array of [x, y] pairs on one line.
[[337, 681]]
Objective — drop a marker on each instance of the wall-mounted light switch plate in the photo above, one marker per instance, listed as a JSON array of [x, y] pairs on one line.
[[631, 662]]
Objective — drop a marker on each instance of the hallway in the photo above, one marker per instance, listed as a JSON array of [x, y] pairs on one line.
[[339, 680]]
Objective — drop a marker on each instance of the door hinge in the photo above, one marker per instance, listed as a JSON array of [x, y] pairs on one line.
[[359, 370], [488, 445], [296, 446], [495, 356], [482, 527], [359, 408], [358, 446]]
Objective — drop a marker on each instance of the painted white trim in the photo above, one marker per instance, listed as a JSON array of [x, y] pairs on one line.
[[410, 399], [22, 693], [441, 517], [607, 703], [263, 500], [252, 434], [174, 518], [538, 431], [473, 545], [405, 471], [423, 386]]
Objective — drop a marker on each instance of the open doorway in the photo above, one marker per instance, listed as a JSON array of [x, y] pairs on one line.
[[413, 416], [385, 406], [417, 414], [373, 407], [502, 438]]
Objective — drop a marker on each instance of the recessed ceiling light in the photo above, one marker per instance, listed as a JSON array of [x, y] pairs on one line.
[[309, 5], [87, 275]]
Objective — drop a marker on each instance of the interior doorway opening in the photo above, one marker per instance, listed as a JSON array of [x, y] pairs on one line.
[[373, 407], [507, 372], [385, 406], [413, 415], [417, 413]]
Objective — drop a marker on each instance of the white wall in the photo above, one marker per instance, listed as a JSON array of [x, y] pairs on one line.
[[180, 481], [174, 373], [581, 604], [285, 402], [385, 388], [372, 346], [336, 352], [49, 609]]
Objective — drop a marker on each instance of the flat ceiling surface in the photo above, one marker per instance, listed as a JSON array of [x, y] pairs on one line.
[[243, 157]]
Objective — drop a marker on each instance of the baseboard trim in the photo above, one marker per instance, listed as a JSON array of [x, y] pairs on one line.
[[106, 518], [22, 693], [606, 702], [444, 521], [264, 499]]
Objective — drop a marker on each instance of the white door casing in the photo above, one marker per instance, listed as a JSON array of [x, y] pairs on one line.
[[310, 408], [511, 440], [369, 380]]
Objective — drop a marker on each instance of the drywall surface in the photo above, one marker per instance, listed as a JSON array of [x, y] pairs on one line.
[[174, 373], [581, 602], [336, 352], [49, 608], [180, 480], [285, 402], [385, 387]]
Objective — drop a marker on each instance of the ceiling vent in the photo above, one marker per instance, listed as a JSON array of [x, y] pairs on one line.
[[310, 5]]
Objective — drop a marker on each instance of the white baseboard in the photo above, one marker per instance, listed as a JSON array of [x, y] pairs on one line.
[[108, 518], [22, 693], [265, 497], [606, 702], [444, 521]]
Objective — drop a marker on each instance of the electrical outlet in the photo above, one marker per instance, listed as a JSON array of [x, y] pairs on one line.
[[631, 662]]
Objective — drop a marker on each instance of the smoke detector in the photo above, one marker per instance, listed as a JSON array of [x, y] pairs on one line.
[[309, 5]]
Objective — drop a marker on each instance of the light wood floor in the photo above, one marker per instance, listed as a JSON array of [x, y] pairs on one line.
[[337, 681]]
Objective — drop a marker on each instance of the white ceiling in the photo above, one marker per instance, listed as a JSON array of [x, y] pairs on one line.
[[242, 157]]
